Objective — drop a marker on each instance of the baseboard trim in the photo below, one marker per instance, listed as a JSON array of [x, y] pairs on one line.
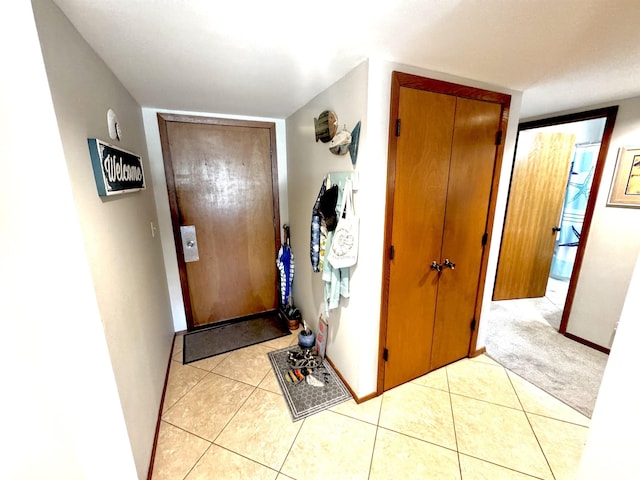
[[583, 341], [164, 391], [478, 352], [346, 384]]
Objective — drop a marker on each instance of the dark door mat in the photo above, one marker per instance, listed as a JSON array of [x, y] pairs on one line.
[[304, 399], [233, 335]]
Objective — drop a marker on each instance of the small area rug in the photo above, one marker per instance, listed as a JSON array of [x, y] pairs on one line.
[[232, 335], [302, 398]]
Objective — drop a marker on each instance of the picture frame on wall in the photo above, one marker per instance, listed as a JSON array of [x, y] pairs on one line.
[[625, 188]]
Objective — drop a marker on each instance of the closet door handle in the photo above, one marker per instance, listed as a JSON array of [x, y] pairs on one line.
[[449, 263], [436, 266], [555, 229]]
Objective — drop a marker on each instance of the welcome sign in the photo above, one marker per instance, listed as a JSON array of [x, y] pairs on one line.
[[115, 170]]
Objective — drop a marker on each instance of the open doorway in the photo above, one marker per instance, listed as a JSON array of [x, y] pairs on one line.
[[556, 176], [557, 170]]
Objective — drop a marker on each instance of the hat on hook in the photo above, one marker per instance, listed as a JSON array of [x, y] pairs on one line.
[[339, 144]]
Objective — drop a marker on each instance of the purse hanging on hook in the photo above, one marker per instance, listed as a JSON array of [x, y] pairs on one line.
[[344, 245]]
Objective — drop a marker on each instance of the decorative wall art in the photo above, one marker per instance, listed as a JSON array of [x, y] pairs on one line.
[[326, 126], [326, 130], [115, 170], [625, 188]]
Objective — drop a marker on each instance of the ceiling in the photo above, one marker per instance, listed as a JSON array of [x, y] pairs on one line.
[[269, 58]]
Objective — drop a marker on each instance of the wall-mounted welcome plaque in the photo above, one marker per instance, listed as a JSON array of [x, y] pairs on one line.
[[115, 170]]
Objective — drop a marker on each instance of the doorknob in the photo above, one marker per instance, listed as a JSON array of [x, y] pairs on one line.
[[436, 266], [449, 263], [555, 229]]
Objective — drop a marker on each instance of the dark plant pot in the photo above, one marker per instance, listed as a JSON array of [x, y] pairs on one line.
[[293, 321], [306, 339]]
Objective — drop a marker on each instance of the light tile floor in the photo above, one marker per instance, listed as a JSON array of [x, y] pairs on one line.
[[225, 418]]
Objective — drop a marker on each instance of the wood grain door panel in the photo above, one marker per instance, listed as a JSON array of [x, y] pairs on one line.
[[538, 184], [224, 186], [473, 158], [422, 165]]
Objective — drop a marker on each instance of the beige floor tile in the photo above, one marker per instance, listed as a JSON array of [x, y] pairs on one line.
[[177, 356], [420, 412], [368, 411], [498, 435], [270, 383], [176, 452], [399, 456], [483, 382], [536, 400], [248, 365], [262, 430], [562, 444], [284, 477], [436, 379], [282, 342], [331, 446], [476, 469], [210, 363], [484, 358], [218, 464], [207, 408], [178, 343], [182, 378]]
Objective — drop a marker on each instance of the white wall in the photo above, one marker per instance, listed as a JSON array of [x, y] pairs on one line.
[[125, 259], [62, 417], [352, 327], [162, 198], [363, 94], [613, 244], [612, 445]]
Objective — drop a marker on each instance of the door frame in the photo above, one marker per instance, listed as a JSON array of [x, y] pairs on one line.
[[163, 120], [398, 80], [609, 113]]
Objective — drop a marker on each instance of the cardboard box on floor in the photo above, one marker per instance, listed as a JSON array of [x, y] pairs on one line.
[[323, 331]]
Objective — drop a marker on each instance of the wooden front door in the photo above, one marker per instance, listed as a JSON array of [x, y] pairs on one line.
[[222, 180], [538, 184], [442, 171]]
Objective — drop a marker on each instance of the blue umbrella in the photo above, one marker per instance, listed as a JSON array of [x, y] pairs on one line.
[[285, 265]]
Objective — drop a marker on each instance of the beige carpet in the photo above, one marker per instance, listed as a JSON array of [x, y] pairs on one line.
[[521, 338]]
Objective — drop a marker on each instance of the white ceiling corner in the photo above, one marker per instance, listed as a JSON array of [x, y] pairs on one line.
[[251, 57]]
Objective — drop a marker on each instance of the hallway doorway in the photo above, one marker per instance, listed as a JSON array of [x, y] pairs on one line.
[[546, 228], [527, 325]]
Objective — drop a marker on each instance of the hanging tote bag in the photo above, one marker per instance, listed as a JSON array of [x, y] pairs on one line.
[[344, 245]]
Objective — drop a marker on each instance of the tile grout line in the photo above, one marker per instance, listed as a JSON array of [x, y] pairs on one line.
[[291, 447], [529, 422], [186, 392], [453, 420], [198, 460], [484, 460], [246, 458], [375, 438], [234, 414]]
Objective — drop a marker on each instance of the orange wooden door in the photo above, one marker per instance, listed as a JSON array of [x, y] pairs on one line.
[[422, 168], [222, 179], [471, 171], [538, 184]]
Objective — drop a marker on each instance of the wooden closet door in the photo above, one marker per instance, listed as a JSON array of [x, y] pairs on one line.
[[473, 158], [422, 166]]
